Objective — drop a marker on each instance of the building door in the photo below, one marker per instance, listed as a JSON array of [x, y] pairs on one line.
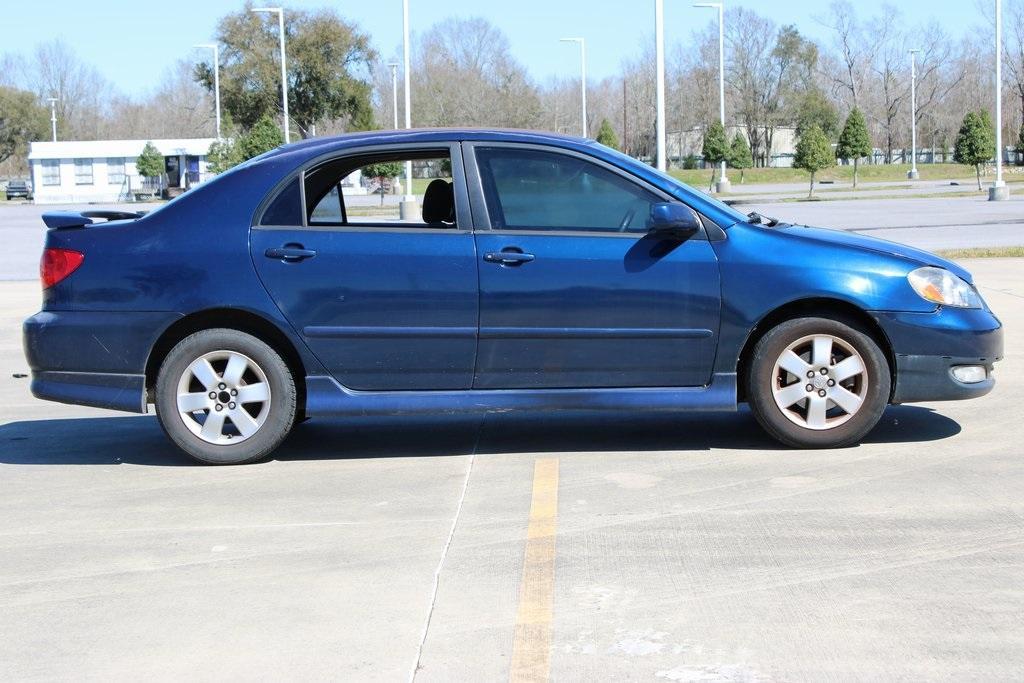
[[173, 169]]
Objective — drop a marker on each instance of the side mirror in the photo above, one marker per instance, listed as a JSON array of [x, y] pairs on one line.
[[673, 221]]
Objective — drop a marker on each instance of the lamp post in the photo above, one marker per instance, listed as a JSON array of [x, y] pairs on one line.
[[659, 58], [53, 115], [583, 78], [912, 174], [284, 69], [723, 181], [999, 191], [407, 209], [216, 78], [394, 91]]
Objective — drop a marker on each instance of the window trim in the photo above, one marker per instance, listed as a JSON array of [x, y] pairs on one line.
[[463, 209], [478, 196]]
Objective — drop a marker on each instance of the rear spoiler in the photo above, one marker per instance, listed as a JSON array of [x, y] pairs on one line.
[[80, 219]]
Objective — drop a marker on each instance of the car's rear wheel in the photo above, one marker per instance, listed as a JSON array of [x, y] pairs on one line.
[[225, 397], [818, 383]]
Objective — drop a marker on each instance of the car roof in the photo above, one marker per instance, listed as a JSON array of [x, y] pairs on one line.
[[417, 135]]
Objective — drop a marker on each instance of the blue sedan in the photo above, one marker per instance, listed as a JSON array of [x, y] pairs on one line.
[[539, 273]]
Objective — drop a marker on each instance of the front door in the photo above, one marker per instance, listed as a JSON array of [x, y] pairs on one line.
[[385, 304], [573, 293]]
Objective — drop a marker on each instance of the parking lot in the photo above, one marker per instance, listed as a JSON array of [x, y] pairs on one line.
[[682, 549]]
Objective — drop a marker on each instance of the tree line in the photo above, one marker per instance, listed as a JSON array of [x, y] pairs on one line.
[[465, 74]]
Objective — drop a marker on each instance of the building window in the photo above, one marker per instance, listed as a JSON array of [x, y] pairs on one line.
[[115, 170], [51, 171], [83, 171]]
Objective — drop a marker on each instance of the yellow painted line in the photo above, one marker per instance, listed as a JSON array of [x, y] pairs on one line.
[[531, 649]]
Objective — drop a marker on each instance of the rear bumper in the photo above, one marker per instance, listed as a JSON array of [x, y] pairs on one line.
[[927, 346], [96, 389], [92, 358]]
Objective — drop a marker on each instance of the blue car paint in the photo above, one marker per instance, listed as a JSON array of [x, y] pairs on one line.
[[141, 277]]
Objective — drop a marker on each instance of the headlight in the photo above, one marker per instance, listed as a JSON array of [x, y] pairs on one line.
[[940, 286]]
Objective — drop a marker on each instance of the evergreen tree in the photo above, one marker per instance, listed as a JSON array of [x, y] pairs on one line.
[[150, 164], [975, 143], [854, 141], [813, 153], [739, 155], [715, 149], [1020, 139], [606, 136], [262, 137]]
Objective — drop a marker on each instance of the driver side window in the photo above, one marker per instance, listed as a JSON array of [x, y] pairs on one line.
[[530, 189]]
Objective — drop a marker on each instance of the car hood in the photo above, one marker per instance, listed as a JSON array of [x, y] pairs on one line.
[[849, 239]]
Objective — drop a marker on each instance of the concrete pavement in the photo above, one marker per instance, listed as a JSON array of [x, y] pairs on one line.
[[686, 549]]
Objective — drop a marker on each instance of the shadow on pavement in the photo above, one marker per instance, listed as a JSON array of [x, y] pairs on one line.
[[139, 440]]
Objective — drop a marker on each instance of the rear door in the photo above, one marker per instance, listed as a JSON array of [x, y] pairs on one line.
[[385, 304], [573, 292]]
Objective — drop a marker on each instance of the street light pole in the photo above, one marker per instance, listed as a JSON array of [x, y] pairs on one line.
[[53, 115], [394, 91], [284, 69], [408, 208], [216, 79], [723, 182], [659, 56], [999, 191], [583, 78], [912, 174]]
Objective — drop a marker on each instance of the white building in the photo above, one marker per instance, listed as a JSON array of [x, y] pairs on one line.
[[103, 171], [691, 142]]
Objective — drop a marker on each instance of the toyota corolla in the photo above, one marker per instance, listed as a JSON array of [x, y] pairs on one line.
[[537, 273]]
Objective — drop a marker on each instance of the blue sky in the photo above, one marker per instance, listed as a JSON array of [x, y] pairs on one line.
[[131, 43]]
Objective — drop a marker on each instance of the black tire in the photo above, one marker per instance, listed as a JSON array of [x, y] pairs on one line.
[[277, 421], [762, 377]]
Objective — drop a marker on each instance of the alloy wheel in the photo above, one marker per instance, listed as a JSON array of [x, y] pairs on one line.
[[223, 397], [819, 382]]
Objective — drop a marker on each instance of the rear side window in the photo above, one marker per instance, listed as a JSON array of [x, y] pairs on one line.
[[286, 209], [535, 190]]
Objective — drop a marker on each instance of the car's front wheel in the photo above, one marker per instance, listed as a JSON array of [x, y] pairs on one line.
[[818, 383], [225, 397]]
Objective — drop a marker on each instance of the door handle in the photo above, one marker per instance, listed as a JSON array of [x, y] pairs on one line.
[[508, 257], [290, 252]]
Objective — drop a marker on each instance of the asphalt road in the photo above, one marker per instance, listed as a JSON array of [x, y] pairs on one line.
[[932, 223], [690, 549]]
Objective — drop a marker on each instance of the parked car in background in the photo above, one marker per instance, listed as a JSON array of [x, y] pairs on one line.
[[18, 187], [546, 273]]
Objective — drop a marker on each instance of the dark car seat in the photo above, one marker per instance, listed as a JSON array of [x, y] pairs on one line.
[[439, 203]]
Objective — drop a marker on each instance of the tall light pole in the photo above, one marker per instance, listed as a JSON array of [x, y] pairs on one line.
[[999, 190], [659, 57], [407, 208], [53, 115], [216, 78], [723, 182], [583, 78], [394, 90], [284, 69], [912, 173]]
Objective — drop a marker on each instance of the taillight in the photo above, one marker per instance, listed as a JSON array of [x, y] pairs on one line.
[[57, 264]]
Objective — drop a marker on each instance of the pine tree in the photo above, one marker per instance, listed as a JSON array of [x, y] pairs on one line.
[[854, 141], [813, 153], [606, 136], [739, 155], [975, 143], [715, 149], [150, 164]]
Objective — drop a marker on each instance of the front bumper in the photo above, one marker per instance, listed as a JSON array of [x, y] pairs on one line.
[[927, 346]]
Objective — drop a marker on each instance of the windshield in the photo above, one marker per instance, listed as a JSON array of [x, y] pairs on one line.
[[679, 189]]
